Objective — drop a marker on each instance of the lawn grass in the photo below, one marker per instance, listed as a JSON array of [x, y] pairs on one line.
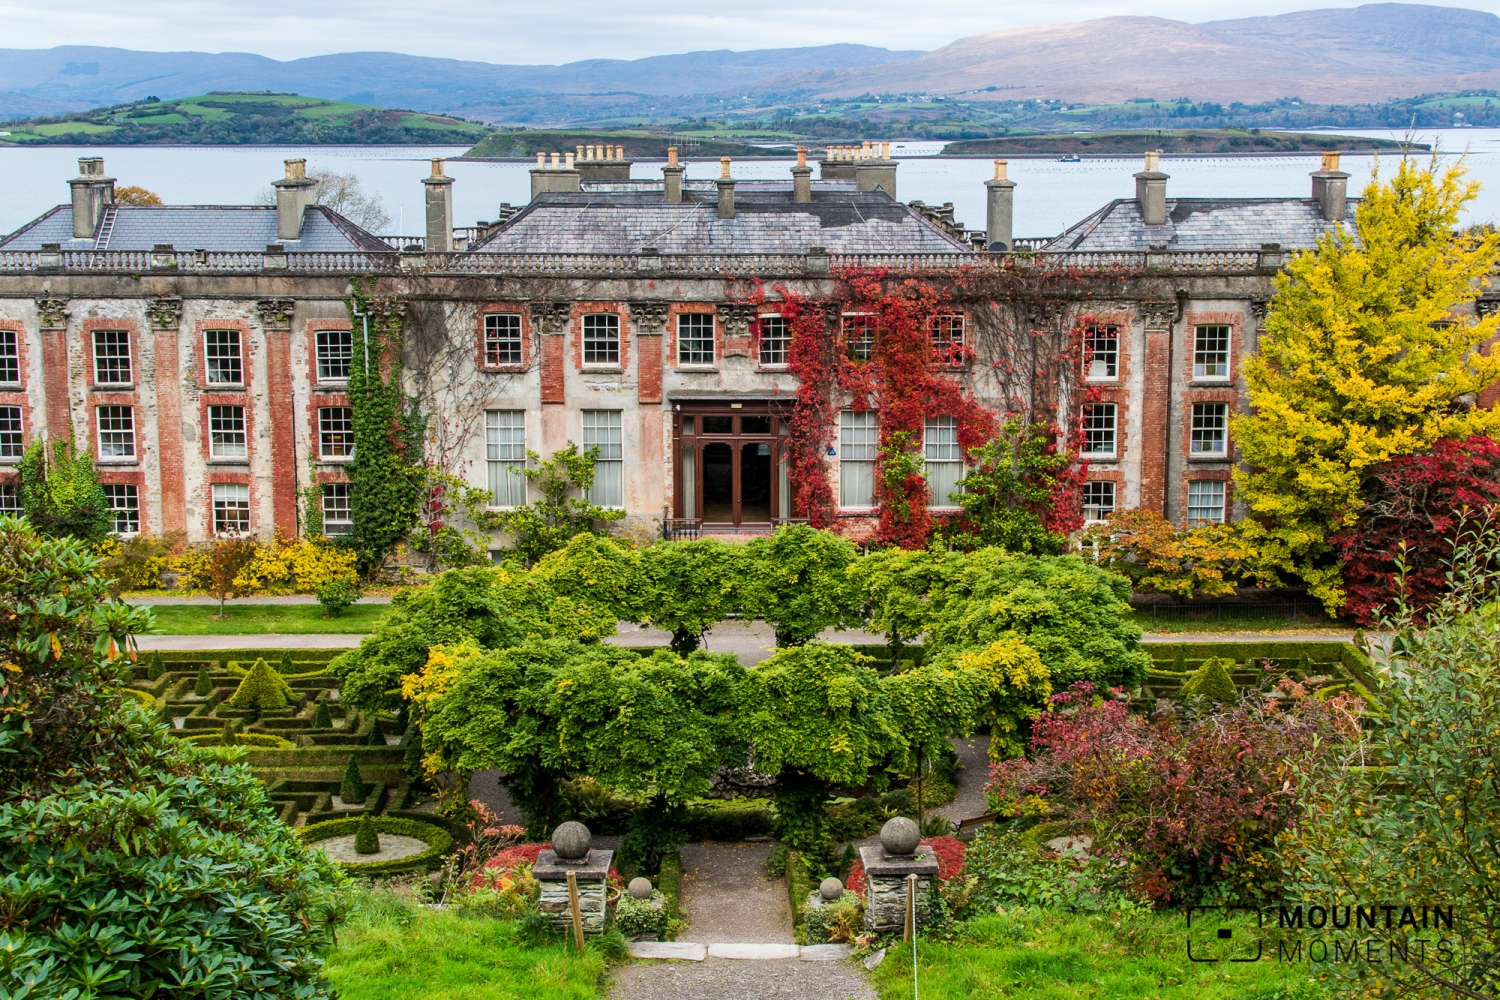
[[1051, 955], [394, 950], [262, 619]]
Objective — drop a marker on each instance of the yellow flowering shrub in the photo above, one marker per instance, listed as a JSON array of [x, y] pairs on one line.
[[279, 567]]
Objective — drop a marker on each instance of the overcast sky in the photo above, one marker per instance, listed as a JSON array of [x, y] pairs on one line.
[[558, 31]]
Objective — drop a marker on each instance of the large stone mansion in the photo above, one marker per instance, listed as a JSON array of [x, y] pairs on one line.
[[202, 352]]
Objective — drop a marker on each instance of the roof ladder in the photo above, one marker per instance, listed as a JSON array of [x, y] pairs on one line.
[[106, 227]]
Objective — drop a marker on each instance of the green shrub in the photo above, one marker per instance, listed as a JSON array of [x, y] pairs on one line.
[[286, 663], [366, 840], [376, 738], [797, 581], [265, 741], [353, 789], [322, 717], [1212, 682], [226, 737], [833, 923], [730, 820], [641, 919], [411, 759], [205, 685], [439, 841], [338, 594], [155, 667], [261, 689]]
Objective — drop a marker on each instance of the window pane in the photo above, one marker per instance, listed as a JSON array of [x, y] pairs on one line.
[[603, 429], [1211, 352], [859, 337], [1098, 500], [775, 341], [335, 432], [695, 339], [1099, 429], [1210, 427], [10, 357], [10, 498], [858, 443], [111, 357], [338, 513], [116, 432], [335, 354], [1205, 502], [505, 455], [948, 337], [689, 481], [502, 339], [12, 442], [231, 508], [221, 351], [226, 432], [944, 460], [124, 502], [1101, 350], [601, 339]]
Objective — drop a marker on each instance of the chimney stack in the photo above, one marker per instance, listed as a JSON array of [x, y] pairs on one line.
[[1151, 190], [999, 216], [838, 165], [294, 193], [439, 209], [873, 170], [802, 178], [1330, 189], [560, 174], [726, 189], [671, 176], [92, 194]]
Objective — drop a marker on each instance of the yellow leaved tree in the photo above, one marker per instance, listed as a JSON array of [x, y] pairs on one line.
[[1369, 350]]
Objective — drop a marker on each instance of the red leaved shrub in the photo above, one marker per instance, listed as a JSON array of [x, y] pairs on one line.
[[949, 851], [1417, 501], [1183, 799]]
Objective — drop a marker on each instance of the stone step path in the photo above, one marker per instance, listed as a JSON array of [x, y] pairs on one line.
[[688, 951]]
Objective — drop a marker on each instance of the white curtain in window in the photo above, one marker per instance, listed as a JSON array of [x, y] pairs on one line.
[[505, 450], [944, 460], [858, 444], [602, 429]]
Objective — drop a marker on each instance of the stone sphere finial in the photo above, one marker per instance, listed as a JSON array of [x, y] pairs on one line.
[[900, 836], [571, 840], [640, 887], [830, 889]]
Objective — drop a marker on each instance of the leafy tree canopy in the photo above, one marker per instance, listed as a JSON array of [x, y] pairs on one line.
[[562, 510], [797, 580], [1015, 483], [689, 587], [1367, 352]]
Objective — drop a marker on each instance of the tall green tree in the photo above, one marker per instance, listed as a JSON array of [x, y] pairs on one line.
[[60, 493], [1017, 480], [385, 475], [1369, 350]]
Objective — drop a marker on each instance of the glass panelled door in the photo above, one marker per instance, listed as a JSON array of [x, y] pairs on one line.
[[731, 467]]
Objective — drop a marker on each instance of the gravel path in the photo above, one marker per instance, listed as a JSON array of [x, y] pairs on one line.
[[973, 775], [753, 641], [727, 898], [730, 979], [162, 600]]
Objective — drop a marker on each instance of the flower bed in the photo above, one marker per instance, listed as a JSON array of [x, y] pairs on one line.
[[435, 837]]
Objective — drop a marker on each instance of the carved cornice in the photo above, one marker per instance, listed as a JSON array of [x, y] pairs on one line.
[[1486, 306], [1158, 314], [1046, 315], [165, 312], [54, 313], [1258, 309], [275, 314], [649, 317], [549, 316], [737, 319]]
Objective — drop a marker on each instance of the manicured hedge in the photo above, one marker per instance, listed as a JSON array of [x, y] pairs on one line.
[[437, 839], [265, 740], [1243, 652], [196, 656], [799, 885], [732, 819]]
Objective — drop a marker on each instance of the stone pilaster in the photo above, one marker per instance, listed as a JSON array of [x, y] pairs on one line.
[[591, 874], [885, 887]]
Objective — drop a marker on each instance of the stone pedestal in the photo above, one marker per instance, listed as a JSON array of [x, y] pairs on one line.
[[592, 876], [885, 887]]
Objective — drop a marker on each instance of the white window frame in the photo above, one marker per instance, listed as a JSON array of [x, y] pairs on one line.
[[125, 503], [943, 458], [1094, 509], [12, 432], [231, 498], [502, 331], [1210, 496], [1205, 370], [335, 443], [10, 357], [604, 429], [1099, 411], [688, 320], [340, 525], [1101, 366], [1211, 428], [104, 358], [504, 450], [608, 323], [948, 337], [327, 354], [859, 448], [121, 440], [10, 498], [233, 356], [226, 441], [784, 340], [866, 327]]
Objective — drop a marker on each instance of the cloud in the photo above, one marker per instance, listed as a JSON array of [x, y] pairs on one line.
[[562, 30]]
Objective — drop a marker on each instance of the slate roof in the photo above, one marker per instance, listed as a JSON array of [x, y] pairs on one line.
[[629, 216], [196, 227], [1203, 224]]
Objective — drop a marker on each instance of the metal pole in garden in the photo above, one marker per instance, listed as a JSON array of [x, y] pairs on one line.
[[577, 914], [911, 929]]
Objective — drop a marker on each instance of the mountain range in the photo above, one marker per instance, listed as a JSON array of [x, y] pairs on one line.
[[1365, 54]]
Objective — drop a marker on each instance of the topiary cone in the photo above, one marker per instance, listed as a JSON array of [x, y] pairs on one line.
[[155, 667], [353, 789], [204, 687], [227, 738], [286, 662], [366, 839], [411, 762], [260, 689], [377, 735], [322, 717], [1212, 681]]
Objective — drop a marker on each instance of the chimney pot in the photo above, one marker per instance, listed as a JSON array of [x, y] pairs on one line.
[[885, 150], [1000, 166], [569, 161], [1153, 160], [541, 161], [671, 156], [554, 160], [724, 167], [437, 166], [801, 156]]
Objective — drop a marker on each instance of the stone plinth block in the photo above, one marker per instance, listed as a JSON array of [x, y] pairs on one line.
[[591, 874], [885, 887]]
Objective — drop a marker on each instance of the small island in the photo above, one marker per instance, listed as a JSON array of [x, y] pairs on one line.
[[1208, 142]]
